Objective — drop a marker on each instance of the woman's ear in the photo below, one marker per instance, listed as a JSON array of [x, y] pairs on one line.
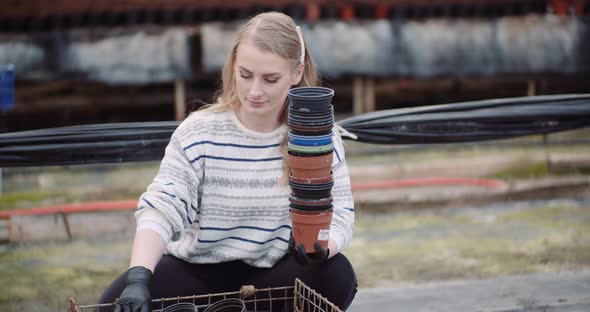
[[298, 74]]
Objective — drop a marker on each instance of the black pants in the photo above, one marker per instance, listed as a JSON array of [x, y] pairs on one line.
[[333, 279]]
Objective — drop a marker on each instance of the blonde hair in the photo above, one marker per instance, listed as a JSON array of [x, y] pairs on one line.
[[277, 33]]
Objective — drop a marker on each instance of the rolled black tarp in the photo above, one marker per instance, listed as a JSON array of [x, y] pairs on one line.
[[472, 121], [86, 144], [449, 123]]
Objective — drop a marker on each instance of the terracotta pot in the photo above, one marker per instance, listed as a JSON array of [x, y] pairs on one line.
[[309, 212], [311, 228], [325, 179], [310, 167]]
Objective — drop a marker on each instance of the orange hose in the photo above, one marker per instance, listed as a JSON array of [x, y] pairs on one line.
[[428, 182], [70, 208], [116, 205]]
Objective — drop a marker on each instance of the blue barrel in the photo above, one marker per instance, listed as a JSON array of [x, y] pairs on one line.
[[6, 87]]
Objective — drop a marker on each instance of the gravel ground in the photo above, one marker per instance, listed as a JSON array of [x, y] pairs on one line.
[[387, 250], [406, 246]]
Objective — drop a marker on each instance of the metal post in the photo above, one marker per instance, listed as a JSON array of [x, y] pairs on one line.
[[66, 224]]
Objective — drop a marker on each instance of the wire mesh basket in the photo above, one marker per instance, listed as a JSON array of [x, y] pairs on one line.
[[298, 298]]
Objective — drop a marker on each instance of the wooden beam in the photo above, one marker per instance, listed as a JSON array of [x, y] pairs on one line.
[[369, 94], [179, 99], [531, 88], [42, 89], [357, 95]]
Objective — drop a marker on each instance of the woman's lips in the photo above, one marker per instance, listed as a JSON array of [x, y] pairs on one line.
[[256, 103]]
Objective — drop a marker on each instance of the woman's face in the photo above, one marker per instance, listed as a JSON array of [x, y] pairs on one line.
[[262, 81]]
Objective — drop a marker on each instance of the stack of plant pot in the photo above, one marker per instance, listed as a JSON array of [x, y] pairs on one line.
[[310, 120]]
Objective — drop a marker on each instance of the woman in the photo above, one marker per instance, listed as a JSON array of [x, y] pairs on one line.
[[216, 215]]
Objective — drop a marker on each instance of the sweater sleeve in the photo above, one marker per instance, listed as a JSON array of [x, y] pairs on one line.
[[343, 217], [171, 200]]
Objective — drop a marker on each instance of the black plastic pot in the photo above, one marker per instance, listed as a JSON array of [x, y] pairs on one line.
[[310, 131], [317, 208], [181, 307], [311, 99], [310, 194], [327, 122], [227, 305], [298, 113], [314, 115], [302, 154], [312, 186], [305, 201]]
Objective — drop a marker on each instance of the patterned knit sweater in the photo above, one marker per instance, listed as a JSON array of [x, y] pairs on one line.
[[218, 194]]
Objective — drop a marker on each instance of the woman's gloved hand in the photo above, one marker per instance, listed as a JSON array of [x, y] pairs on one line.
[[305, 258], [136, 295]]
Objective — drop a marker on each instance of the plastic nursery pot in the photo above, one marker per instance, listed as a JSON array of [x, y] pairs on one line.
[[293, 136], [306, 201], [320, 124], [310, 99], [311, 140], [308, 154], [295, 112], [311, 208], [313, 150], [317, 186], [324, 191], [319, 180], [310, 228], [181, 307], [311, 121], [308, 128], [310, 131], [310, 212], [227, 305], [310, 167], [315, 115], [299, 118]]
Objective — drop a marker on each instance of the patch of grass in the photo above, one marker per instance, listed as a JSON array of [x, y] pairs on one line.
[[433, 246], [545, 217], [24, 199], [45, 276], [524, 171]]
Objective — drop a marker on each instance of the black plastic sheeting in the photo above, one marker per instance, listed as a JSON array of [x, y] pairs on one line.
[[87, 144], [450, 123], [472, 121]]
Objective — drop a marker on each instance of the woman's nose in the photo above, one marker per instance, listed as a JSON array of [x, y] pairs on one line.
[[255, 89]]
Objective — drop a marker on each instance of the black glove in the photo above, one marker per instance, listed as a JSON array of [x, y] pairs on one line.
[[305, 258], [136, 295]]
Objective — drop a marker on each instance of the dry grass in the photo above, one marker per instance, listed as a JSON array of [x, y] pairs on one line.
[[394, 248], [387, 249], [439, 245]]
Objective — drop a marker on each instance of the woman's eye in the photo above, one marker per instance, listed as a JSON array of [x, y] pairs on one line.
[[273, 80], [245, 76]]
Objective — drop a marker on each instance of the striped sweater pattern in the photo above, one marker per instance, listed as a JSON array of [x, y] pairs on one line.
[[218, 193]]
